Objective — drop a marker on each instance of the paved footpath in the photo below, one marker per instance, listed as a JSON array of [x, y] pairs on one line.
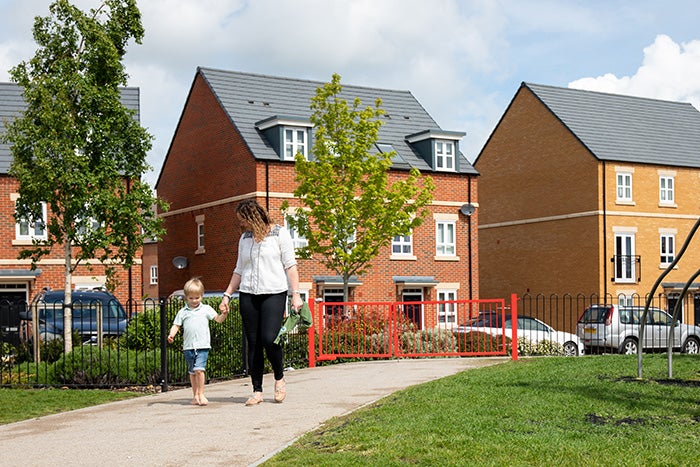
[[165, 430]]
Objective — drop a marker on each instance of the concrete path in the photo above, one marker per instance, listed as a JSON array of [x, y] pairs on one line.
[[165, 430]]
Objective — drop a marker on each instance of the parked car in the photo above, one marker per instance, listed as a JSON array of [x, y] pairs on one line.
[[87, 305], [617, 328], [529, 328]]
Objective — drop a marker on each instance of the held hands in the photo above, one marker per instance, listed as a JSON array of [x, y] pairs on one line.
[[223, 306]]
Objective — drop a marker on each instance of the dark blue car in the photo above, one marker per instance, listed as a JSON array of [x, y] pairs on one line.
[[88, 306]]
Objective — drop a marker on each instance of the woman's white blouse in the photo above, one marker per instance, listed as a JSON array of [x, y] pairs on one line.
[[262, 266]]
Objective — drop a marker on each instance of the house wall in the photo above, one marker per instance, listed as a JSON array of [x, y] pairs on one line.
[[539, 223], [647, 217], [52, 266]]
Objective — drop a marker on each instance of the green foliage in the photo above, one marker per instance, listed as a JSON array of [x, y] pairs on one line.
[[478, 342], [429, 341], [351, 210], [143, 331], [76, 147]]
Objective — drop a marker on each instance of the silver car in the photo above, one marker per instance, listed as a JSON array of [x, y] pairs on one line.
[[617, 328]]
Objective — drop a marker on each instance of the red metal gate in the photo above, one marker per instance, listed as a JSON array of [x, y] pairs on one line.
[[389, 329]]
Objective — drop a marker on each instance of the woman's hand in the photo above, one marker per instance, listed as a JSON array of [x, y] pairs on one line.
[[223, 306], [297, 302]]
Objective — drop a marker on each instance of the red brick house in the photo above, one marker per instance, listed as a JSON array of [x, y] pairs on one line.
[[236, 139], [18, 283]]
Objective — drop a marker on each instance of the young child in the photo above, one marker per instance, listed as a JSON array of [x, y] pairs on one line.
[[194, 318]]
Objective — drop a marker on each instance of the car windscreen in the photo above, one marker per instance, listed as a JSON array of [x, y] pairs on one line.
[[595, 314]]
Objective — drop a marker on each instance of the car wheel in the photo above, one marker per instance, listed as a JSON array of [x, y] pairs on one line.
[[629, 346], [571, 349], [691, 346]]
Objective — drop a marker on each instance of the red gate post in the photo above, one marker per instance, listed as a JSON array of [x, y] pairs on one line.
[[311, 335], [514, 324]]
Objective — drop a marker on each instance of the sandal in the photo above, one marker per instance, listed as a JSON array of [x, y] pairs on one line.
[[280, 390], [255, 399]]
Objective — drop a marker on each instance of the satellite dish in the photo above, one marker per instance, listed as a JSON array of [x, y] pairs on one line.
[[180, 262], [467, 209]]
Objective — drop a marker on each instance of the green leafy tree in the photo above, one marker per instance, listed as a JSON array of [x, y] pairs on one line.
[[76, 148], [352, 209]]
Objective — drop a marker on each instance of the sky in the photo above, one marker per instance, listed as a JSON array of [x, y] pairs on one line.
[[463, 60]]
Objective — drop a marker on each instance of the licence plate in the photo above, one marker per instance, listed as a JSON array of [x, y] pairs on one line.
[[590, 330]]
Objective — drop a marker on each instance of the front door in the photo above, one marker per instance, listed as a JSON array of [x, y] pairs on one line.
[[413, 312]]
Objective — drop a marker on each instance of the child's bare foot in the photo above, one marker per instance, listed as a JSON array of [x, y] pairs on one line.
[[203, 400], [195, 401]]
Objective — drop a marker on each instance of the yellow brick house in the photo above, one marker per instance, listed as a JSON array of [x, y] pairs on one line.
[[591, 195]]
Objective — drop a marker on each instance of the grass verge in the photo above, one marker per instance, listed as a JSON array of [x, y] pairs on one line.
[[23, 404], [541, 411]]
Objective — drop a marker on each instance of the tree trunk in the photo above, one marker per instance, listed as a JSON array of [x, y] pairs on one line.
[[67, 303]]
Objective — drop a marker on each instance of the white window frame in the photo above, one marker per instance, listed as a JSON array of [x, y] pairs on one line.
[[666, 190], [447, 312], [154, 274], [402, 246], [667, 248], [625, 269], [445, 155], [200, 234], [623, 186], [297, 240], [295, 146], [34, 231], [445, 238]]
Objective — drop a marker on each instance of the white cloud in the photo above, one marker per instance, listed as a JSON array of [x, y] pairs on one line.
[[669, 71]]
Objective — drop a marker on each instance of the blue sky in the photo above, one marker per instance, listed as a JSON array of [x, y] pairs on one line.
[[462, 59]]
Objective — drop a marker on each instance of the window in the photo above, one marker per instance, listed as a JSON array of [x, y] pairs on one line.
[[668, 248], [447, 312], [624, 186], [34, 229], [297, 239], [154, 275], [444, 155], [402, 245], [294, 142], [666, 195], [625, 260], [445, 238], [200, 233]]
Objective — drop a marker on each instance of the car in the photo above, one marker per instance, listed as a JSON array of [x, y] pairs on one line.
[[616, 328], [87, 305], [529, 328]]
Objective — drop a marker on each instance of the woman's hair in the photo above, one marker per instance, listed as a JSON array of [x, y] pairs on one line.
[[193, 286], [256, 216]]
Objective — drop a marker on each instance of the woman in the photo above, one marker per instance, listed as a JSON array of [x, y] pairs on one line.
[[265, 268]]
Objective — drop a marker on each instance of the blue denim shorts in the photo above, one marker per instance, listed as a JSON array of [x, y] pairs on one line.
[[196, 360]]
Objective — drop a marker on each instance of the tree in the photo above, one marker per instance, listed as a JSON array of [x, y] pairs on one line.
[[77, 150], [352, 209]]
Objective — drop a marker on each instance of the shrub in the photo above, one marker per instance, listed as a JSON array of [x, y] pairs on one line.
[[477, 341], [429, 341]]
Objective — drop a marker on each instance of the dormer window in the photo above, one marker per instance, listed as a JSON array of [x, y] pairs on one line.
[[295, 140], [444, 155], [438, 148], [287, 135]]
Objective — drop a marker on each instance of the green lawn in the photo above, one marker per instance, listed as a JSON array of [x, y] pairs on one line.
[[554, 411], [21, 404]]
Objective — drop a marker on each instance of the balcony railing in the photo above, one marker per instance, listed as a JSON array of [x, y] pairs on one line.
[[627, 268]]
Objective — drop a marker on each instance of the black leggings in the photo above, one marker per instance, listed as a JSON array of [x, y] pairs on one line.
[[262, 319]]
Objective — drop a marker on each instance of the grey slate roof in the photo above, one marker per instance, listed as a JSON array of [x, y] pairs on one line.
[[12, 104], [627, 129], [249, 98]]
